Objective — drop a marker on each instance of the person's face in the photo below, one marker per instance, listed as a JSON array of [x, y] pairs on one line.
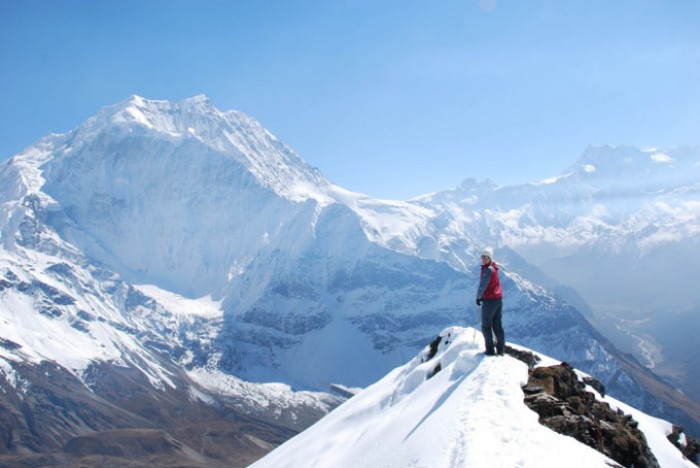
[[485, 260]]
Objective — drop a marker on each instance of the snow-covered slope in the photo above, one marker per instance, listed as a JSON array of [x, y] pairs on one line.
[[470, 413]]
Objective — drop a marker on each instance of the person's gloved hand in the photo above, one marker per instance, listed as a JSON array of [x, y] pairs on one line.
[[479, 301]]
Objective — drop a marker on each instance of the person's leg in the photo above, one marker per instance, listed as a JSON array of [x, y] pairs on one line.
[[487, 311], [497, 326]]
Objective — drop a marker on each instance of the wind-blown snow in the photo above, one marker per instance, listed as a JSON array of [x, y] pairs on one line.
[[470, 414]]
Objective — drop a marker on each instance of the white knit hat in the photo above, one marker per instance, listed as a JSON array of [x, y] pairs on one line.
[[487, 252]]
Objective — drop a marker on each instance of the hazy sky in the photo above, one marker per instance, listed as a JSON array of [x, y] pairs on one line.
[[391, 98]]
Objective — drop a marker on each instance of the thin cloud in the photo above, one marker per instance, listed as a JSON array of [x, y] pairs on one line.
[[488, 5]]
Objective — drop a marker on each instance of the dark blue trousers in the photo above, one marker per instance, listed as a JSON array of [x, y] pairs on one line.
[[491, 315]]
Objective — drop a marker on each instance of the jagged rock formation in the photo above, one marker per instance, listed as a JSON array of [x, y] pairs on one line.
[[689, 446], [565, 406]]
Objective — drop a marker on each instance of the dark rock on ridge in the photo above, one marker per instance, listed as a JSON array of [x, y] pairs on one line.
[[565, 406], [690, 447]]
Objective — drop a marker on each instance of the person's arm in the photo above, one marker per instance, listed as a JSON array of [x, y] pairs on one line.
[[485, 278]]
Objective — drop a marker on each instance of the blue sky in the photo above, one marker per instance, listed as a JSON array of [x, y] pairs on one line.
[[392, 98]]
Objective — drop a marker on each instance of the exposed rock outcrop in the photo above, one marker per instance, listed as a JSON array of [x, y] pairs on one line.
[[689, 446], [565, 406]]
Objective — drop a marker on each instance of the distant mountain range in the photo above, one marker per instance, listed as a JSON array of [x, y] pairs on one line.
[[617, 235], [628, 214], [166, 262]]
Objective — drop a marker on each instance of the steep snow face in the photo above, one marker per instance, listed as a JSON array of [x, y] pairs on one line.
[[174, 194], [181, 219], [470, 413], [334, 290]]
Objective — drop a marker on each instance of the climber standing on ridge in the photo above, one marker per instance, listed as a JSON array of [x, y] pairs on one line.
[[490, 295]]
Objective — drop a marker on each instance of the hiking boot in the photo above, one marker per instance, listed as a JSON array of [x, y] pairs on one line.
[[489, 353]]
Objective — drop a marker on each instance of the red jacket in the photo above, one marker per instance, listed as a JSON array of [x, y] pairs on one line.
[[490, 284]]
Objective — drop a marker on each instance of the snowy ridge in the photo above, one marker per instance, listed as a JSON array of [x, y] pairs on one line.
[[469, 413]]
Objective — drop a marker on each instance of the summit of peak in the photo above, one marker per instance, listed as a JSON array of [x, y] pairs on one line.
[[138, 102], [163, 116], [197, 125], [197, 100]]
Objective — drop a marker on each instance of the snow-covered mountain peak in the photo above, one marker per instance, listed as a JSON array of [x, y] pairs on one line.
[[162, 115], [197, 125], [136, 178], [200, 100]]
